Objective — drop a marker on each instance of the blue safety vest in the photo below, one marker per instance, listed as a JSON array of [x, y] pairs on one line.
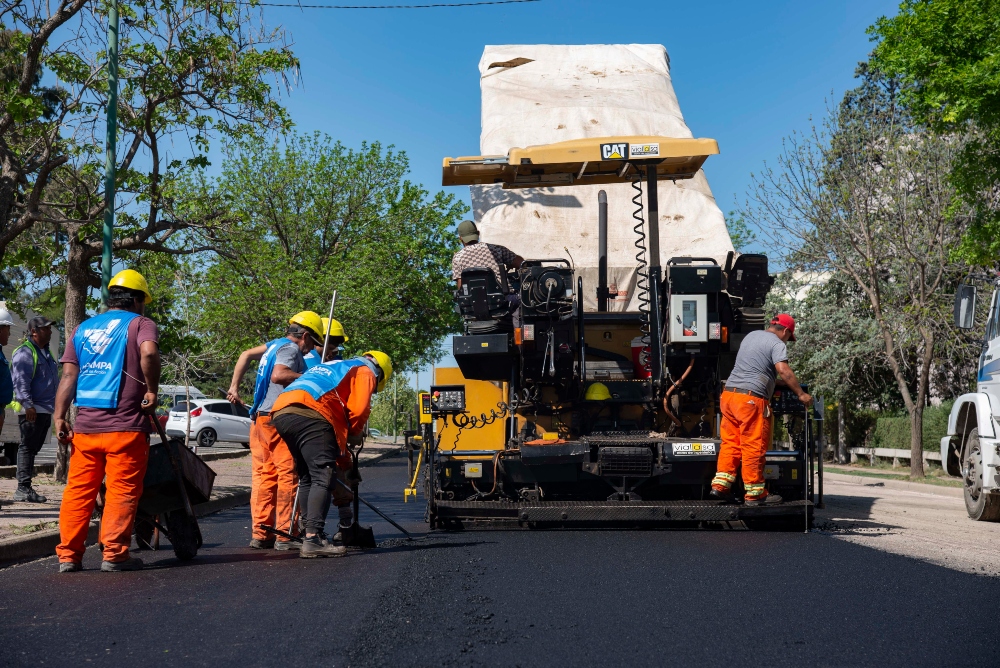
[[312, 358], [100, 344], [324, 378], [264, 370]]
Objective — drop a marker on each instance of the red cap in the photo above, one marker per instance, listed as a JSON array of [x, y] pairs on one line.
[[786, 321]]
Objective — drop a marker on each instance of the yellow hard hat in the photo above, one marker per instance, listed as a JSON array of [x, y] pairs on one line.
[[334, 328], [384, 363], [133, 280], [310, 320], [597, 392]]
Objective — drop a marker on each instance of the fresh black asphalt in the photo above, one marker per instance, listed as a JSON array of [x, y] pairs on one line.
[[496, 598]]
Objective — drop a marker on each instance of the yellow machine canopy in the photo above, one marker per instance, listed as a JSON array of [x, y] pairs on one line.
[[593, 161]]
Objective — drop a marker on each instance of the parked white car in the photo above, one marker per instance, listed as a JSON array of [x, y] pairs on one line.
[[211, 420]]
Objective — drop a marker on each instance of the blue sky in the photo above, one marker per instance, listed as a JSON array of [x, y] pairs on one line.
[[745, 73]]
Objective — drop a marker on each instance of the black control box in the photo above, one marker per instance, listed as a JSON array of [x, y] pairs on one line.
[[694, 279], [785, 402], [448, 398]]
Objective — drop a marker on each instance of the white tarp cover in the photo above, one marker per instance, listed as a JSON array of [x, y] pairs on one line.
[[575, 92]]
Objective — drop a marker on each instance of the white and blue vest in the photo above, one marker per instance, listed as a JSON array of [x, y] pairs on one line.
[[324, 378], [264, 370], [100, 344]]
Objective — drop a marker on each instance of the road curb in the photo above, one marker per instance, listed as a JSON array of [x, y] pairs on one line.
[[871, 481], [10, 471], [213, 456]]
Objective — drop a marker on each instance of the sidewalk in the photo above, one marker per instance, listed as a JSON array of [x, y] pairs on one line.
[[21, 523]]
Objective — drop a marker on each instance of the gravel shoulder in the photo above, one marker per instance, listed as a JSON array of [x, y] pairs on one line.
[[929, 526]]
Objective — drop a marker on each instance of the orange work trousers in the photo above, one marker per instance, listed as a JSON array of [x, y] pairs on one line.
[[273, 480], [746, 434], [119, 457]]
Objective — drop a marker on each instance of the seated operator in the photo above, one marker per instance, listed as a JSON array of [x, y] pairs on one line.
[[475, 254]]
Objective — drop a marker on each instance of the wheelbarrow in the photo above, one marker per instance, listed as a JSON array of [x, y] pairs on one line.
[[176, 480]]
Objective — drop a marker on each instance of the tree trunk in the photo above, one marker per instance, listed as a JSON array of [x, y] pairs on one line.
[[841, 434], [77, 284], [917, 441]]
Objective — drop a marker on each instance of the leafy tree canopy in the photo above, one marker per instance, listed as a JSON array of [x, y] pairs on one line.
[[945, 52], [313, 216]]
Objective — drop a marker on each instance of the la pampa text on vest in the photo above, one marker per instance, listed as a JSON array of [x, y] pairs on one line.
[[324, 378], [100, 343]]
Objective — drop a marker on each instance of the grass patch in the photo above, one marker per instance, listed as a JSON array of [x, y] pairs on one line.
[[935, 475], [32, 528]]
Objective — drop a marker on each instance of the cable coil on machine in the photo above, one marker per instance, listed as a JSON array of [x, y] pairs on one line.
[[642, 276]]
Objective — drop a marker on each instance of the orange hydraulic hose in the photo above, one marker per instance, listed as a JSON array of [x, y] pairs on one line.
[[666, 398]]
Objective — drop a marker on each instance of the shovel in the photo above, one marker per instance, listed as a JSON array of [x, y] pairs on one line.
[[356, 535]]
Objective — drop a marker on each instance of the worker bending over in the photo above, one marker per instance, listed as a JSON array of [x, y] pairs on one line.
[[111, 367], [476, 254], [318, 415], [335, 337], [746, 410], [273, 480]]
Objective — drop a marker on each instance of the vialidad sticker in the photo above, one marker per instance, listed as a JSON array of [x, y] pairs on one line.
[[644, 150], [694, 448]]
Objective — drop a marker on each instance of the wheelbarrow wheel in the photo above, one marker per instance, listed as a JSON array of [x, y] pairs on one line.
[[184, 534]]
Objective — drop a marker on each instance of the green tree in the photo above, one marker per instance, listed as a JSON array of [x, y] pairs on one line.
[[188, 72], [313, 216], [33, 41], [945, 51], [739, 232], [871, 199], [392, 406]]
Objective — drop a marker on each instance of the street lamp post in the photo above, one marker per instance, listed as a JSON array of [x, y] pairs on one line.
[[110, 156]]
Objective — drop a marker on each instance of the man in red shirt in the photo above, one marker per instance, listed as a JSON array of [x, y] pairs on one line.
[[110, 366]]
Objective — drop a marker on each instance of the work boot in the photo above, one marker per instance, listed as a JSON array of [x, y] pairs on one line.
[[70, 566], [320, 546], [769, 500], [287, 545], [716, 495], [28, 495], [130, 564], [262, 543]]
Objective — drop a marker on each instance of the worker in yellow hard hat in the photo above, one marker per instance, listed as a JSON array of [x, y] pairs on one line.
[[273, 479], [118, 352], [318, 417], [335, 338]]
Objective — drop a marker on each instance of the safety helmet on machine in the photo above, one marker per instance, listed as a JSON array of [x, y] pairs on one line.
[[384, 363], [133, 280], [597, 392], [309, 320], [334, 328]]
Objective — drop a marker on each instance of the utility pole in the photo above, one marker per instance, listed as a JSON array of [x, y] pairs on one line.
[[110, 147]]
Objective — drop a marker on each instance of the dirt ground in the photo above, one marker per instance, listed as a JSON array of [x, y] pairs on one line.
[[931, 526]]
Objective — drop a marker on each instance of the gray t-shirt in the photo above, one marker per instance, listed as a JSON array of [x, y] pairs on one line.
[[287, 355], [754, 369]]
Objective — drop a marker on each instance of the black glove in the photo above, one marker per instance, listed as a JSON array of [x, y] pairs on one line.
[[353, 476]]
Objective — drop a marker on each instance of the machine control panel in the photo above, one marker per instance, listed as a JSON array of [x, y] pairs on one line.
[[448, 398], [785, 402], [425, 407]]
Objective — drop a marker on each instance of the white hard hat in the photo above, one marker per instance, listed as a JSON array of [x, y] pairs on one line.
[[5, 318]]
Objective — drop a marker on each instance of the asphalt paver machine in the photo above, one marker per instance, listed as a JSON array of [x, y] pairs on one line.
[[548, 423]]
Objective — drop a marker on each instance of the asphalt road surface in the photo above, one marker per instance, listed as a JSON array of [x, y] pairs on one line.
[[491, 598]]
